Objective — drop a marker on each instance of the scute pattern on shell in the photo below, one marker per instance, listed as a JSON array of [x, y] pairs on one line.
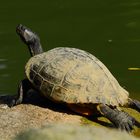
[[74, 76]]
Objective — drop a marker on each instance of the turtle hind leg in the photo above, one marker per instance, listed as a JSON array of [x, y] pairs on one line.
[[23, 87], [135, 104], [120, 119]]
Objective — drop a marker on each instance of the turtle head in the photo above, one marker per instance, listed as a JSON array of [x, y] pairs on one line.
[[30, 38], [27, 35]]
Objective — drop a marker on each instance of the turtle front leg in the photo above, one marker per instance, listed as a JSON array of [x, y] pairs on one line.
[[120, 119], [135, 104], [23, 87]]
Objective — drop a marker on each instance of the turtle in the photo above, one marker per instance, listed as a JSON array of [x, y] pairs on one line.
[[75, 78]]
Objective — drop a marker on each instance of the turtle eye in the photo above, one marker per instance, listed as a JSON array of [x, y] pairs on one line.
[[22, 27]]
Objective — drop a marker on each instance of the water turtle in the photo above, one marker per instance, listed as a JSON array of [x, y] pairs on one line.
[[75, 78]]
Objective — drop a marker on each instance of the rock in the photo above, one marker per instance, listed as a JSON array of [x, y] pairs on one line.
[[37, 112], [73, 132], [24, 116]]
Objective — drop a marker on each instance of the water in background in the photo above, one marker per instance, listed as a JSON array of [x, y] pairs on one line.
[[108, 29]]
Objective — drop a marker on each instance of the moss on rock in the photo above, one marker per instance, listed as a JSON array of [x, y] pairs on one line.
[[103, 122]]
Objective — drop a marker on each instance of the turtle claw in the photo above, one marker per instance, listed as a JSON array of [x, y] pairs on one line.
[[120, 119], [124, 122], [125, 127], [14, 102], [22, 89]]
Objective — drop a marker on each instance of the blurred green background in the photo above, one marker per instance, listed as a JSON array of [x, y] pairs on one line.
[[109, 29]]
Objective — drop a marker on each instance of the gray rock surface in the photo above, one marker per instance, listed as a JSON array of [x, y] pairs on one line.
[[73, 132], [37, 112], [22, 117]]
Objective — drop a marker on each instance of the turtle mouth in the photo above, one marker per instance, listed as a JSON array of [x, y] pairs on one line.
[[20, 29], [24, 33]]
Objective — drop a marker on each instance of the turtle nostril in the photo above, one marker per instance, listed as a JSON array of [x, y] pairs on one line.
[[20, 29], [19, 26]]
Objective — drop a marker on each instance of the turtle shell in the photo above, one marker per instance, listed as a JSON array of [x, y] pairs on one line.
[[74, 76]]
